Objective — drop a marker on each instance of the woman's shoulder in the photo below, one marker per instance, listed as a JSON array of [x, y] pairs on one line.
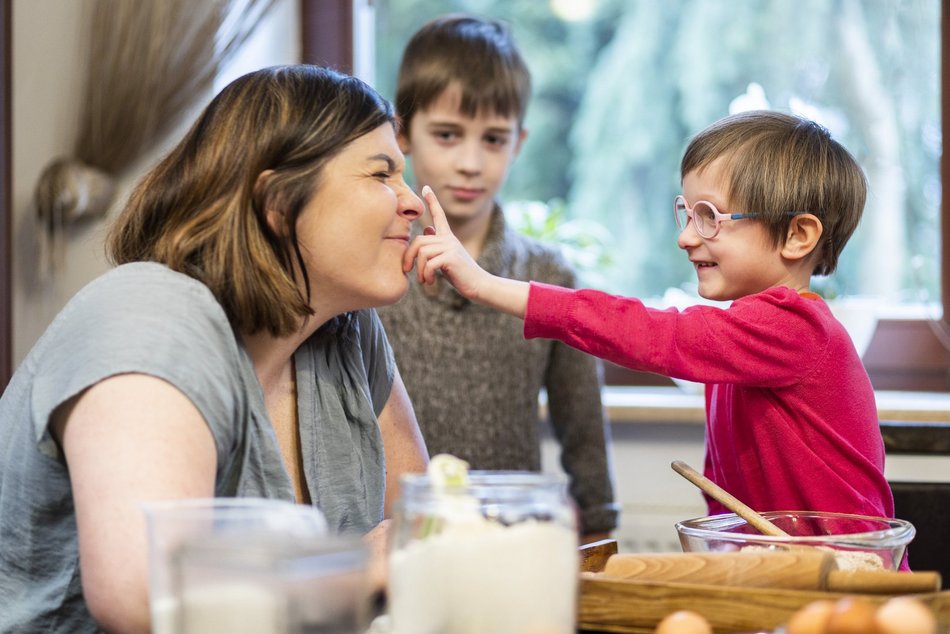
[[139, 305], [151, 277], [149, 289]]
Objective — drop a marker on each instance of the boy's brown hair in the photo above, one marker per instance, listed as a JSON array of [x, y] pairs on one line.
[[777, 163], [478, 54], [260, 144]]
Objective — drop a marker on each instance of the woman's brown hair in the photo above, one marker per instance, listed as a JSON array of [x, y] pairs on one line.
[[777, 163], [202, 210]]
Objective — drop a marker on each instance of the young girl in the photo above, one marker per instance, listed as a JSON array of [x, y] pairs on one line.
[[768, 200]]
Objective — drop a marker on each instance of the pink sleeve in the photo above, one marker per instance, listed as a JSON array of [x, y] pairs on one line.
[[767, 339]]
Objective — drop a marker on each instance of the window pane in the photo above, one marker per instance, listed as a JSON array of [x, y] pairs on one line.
[[621, 85]]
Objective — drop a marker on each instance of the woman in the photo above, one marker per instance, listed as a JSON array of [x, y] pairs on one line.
[[232, 352]]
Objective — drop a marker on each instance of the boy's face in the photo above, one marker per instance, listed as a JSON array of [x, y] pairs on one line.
[[740, 260], [465, 160]]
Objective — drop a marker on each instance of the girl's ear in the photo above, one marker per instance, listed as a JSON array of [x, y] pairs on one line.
[[804, 231], [275, 219]]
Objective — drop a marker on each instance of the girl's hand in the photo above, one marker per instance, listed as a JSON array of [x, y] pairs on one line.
[[439, 250]]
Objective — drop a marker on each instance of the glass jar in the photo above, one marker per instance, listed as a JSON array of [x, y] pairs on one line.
[[497, 553]]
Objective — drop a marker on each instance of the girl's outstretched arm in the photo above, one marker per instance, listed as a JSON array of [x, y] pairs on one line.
[[439, 250]]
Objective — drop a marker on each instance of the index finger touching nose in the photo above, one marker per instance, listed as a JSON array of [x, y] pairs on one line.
[[435, 209]]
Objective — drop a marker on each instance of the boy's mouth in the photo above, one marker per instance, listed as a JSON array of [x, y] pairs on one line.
[[465, 193], [703, 265]]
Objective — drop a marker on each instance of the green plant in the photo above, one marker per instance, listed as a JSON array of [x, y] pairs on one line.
[[585, 243]]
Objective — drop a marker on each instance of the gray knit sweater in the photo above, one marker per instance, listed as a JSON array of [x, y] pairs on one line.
[[474, 380]]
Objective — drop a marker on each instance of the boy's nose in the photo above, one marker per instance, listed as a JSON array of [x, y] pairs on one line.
[[468, 158]]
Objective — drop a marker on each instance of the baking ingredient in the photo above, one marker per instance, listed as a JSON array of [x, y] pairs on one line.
[[851, 615], [683, 622], [812, 618], [241, 608], [905, 615], [447, 471], [466, 571], [844, 559], [855, 559]]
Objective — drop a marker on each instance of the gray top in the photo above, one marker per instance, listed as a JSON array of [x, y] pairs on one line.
[[148, 319], [474, 380]]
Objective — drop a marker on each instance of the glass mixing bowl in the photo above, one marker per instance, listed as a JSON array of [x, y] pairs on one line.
[[859, 542]]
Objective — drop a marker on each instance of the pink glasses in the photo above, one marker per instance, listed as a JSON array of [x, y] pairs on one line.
[[706, 218]]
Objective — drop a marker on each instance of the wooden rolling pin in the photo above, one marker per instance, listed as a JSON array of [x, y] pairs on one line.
[[792, 570]]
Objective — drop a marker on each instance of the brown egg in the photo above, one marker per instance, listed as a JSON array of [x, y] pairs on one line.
[[683, 622], [905, 615], [851, 615], [811, 618]]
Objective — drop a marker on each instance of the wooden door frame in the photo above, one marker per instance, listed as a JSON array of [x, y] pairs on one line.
[[6, 194]]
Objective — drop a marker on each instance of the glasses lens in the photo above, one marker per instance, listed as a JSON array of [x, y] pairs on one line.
[[704, 215], [679, 210]]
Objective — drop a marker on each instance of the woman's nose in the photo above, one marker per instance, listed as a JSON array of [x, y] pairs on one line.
[[410, 205]]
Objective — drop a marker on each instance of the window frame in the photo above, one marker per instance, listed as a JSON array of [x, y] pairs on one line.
[[6, 195]]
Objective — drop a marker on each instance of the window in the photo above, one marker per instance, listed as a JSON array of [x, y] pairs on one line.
[[906, 353], [620, 86]]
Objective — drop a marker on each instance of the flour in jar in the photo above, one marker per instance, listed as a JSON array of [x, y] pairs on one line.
[[469, 573]]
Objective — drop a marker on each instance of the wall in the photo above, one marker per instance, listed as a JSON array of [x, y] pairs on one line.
[[652, 496], [47, 74]]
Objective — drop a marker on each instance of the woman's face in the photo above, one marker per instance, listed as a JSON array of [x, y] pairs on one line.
[[354, 231]]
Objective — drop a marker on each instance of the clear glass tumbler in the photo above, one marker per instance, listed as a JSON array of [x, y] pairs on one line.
[[240, 523], [497, 554]]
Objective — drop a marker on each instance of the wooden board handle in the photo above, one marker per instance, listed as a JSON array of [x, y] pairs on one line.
[[796, 570], [882, 581]]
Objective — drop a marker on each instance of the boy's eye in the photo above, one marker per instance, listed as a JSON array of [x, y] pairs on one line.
[[445, 135], [496, 139]]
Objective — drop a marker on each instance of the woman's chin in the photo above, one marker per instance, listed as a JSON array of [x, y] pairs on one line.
[[395, 292]]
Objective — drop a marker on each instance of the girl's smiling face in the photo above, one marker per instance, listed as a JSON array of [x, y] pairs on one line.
[[740, 260]]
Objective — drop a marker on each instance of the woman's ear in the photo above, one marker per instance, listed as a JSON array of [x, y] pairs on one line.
[[275, 219], [804, 231]]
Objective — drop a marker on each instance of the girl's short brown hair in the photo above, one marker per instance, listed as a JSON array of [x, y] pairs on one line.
[[776, 163], [202, 210], [478, 54]]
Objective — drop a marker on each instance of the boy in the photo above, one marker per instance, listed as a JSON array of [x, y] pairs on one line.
[[768, 200], [474, 382]]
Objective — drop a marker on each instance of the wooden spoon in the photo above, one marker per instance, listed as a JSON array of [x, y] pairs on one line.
[[722, 496]]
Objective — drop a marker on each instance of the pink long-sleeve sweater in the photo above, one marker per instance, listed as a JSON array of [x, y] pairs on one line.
[[791, 422]]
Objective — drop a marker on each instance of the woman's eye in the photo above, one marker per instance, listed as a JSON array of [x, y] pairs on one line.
[[382, 175]]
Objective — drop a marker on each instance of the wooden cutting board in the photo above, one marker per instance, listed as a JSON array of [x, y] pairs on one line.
[[635, 607]]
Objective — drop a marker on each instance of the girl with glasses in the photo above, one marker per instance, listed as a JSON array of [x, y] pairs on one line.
[[768, 201]]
